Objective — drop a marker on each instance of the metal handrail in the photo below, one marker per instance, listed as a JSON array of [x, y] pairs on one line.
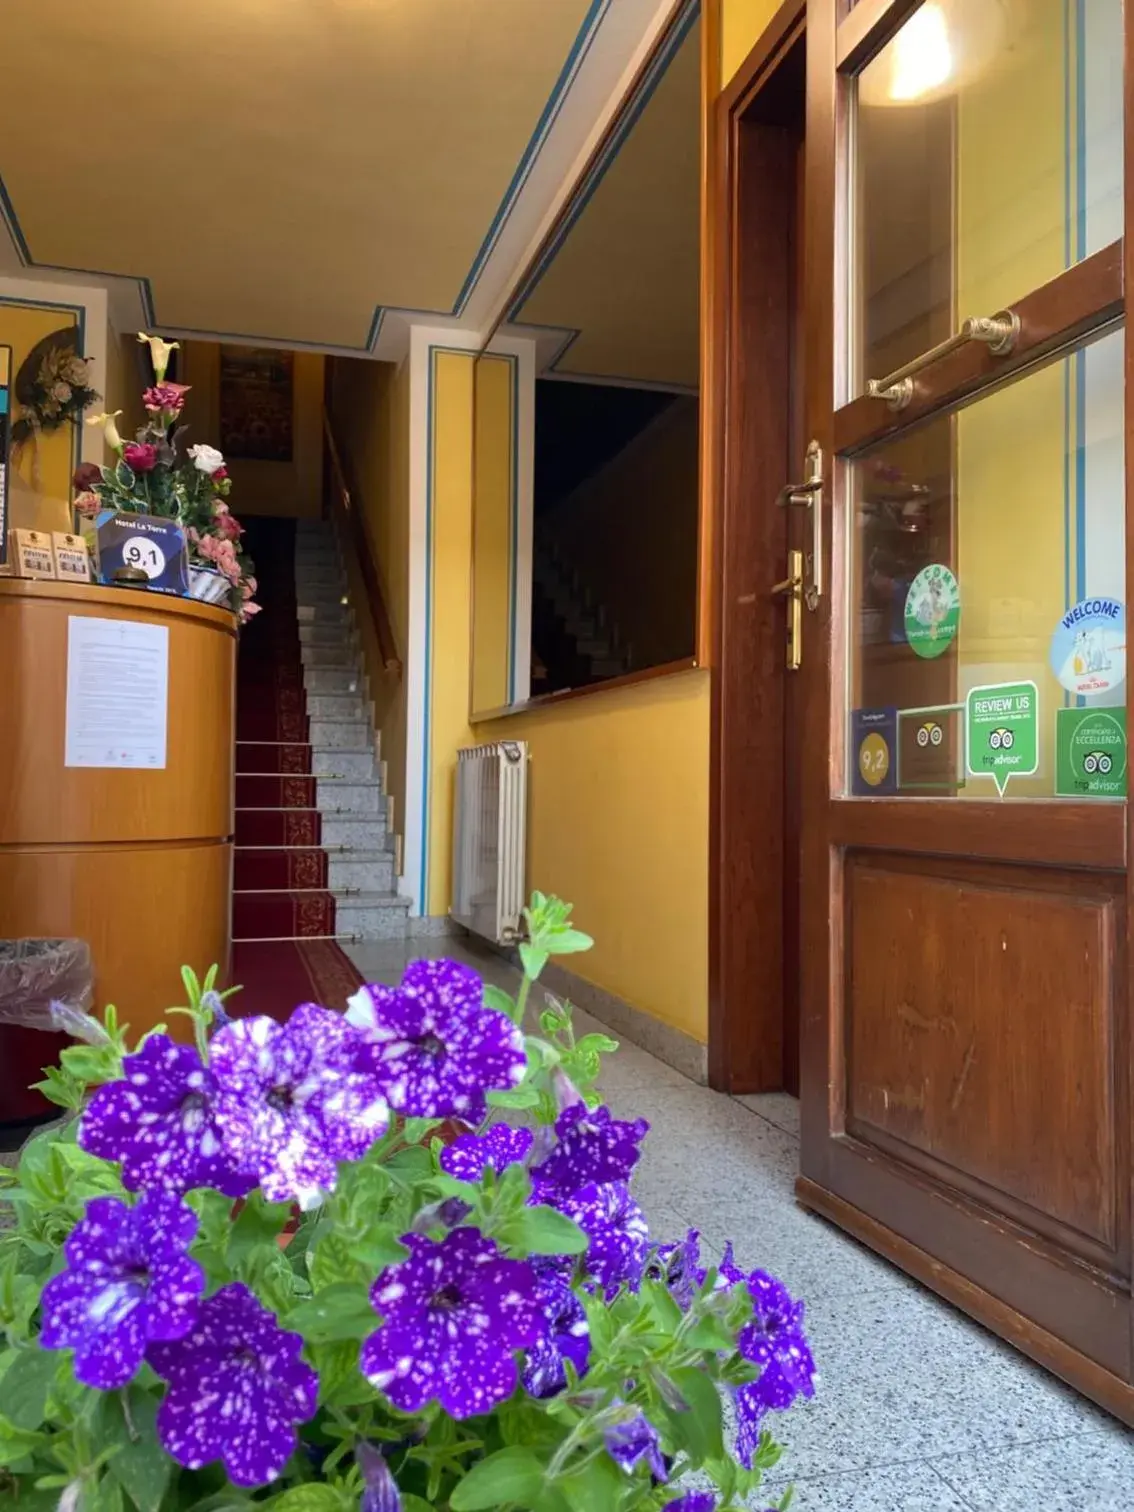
[[998, 332]]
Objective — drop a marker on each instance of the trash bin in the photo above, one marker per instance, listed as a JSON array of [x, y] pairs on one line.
[[46, 989]]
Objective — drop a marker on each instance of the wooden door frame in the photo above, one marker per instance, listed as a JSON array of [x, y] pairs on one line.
[[739, 465], [838, 39]]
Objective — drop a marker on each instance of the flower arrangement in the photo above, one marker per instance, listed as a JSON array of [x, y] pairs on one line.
[[151, 476], [251, 1271], [55, 392]]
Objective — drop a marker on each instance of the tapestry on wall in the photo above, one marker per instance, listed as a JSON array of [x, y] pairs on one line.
[[256, 390]]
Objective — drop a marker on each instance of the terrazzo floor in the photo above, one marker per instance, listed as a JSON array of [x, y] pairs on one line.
[[917, 1409]]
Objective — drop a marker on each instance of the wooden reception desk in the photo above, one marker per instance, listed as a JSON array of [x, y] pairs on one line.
[[136, 862]]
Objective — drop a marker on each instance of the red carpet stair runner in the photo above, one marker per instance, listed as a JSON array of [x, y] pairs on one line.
[[314, 866]]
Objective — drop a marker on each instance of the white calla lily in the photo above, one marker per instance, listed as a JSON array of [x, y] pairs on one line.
[[110, 430], [159, 353]]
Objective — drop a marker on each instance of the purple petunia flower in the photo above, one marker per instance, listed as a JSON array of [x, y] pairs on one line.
[[694, 1501], [291, 1102], [567, 1338], [237, 1388], [453, 1315], [593, 1149], [159, 1122], [128, 1281], [468, 1157], [679, 1267], [633, 1443], [774, 1339], [617, 1230], [434, 1046], [380, 1491]]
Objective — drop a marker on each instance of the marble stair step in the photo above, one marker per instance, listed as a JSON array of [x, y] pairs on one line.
[[339, 734], [321, 633], [349, 795], [371, 916], [362, 763], [360, 871], [328, 656], [351, 706], [354, 832], [334, 680]]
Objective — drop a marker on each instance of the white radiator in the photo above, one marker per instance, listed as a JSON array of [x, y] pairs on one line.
[[490, 839]]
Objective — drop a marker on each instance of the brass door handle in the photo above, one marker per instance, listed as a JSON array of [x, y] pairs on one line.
[[792, 588], [809, 495]]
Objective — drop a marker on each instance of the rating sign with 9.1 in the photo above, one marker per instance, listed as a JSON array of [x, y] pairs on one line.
[[139, 551]]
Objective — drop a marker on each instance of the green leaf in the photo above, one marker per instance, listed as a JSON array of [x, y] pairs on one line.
[[568, 942], [519, 1097], [25, 1385], [416, 1130], [17, 1443], [701, 1426], [497, 998], [141, 1466], [339, 1311], [315, 1496], [596, 1044], [124, 477], [259, 1223], [534, 959], [711, 1334], [509, 1475], [598, 1484], [543, 1231]]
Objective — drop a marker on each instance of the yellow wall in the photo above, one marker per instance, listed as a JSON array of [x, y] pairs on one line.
[[39, 479], [262, 488], [370, 415], [619, 825], [742, 21], [493, 485], [619, 799]]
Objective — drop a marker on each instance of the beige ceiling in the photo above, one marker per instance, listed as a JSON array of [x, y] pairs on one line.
[[626, 276], [274, 168]]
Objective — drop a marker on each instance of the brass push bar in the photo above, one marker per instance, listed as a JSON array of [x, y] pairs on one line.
[[998, 332]]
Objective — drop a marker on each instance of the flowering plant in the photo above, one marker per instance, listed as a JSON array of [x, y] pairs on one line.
[[55, 392], [260, 1261], [151, 476]]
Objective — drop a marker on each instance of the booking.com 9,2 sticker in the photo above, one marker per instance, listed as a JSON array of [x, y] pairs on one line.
[[1088, 649]]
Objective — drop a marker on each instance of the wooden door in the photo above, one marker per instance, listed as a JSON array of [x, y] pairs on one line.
[[966, 1045]]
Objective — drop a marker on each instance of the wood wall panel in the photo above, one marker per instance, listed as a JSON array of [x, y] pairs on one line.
[[983, 1032]]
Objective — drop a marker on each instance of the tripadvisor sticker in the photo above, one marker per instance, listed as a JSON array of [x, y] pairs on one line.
[[1090, 753], [1002, 731], [933, 610]]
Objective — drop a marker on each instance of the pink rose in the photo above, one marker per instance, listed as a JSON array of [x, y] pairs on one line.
[[220, 475], [165, 396], [247, 610], [88, 503], [229, 527], [140, 455]]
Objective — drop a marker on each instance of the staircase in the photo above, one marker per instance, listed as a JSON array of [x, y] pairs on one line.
[[572, 634], [314, 860]]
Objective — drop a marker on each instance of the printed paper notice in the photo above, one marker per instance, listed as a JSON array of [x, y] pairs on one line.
[[117, 693]]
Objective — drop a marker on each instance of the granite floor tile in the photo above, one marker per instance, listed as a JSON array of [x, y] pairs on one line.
[[893, 1488], [779, 1108], [1089, 1473]]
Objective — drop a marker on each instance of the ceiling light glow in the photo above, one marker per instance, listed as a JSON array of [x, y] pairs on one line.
[[922, 55]]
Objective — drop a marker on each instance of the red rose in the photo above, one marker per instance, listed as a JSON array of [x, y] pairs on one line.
[[87, 474], [140, 455]]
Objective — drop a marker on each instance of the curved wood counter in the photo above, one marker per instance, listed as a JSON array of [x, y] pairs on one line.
[[138, 863]]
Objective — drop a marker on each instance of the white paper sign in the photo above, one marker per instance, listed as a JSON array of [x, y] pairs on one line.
[[117, 693]]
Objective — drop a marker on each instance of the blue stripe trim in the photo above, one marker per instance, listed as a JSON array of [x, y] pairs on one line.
[[589, 184]]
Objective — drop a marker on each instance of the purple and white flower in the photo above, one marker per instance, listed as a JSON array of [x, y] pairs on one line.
[[616, 1228], [291, 1101], [433, 1045], [159, 1121], [679, 1267], [774, 1339], [593, 1149], [567, 1337], [468, 1157], [634, 1443], [237, 1388], [379, 1489], [453, 1315], [128, 1282], [693, 1501]]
